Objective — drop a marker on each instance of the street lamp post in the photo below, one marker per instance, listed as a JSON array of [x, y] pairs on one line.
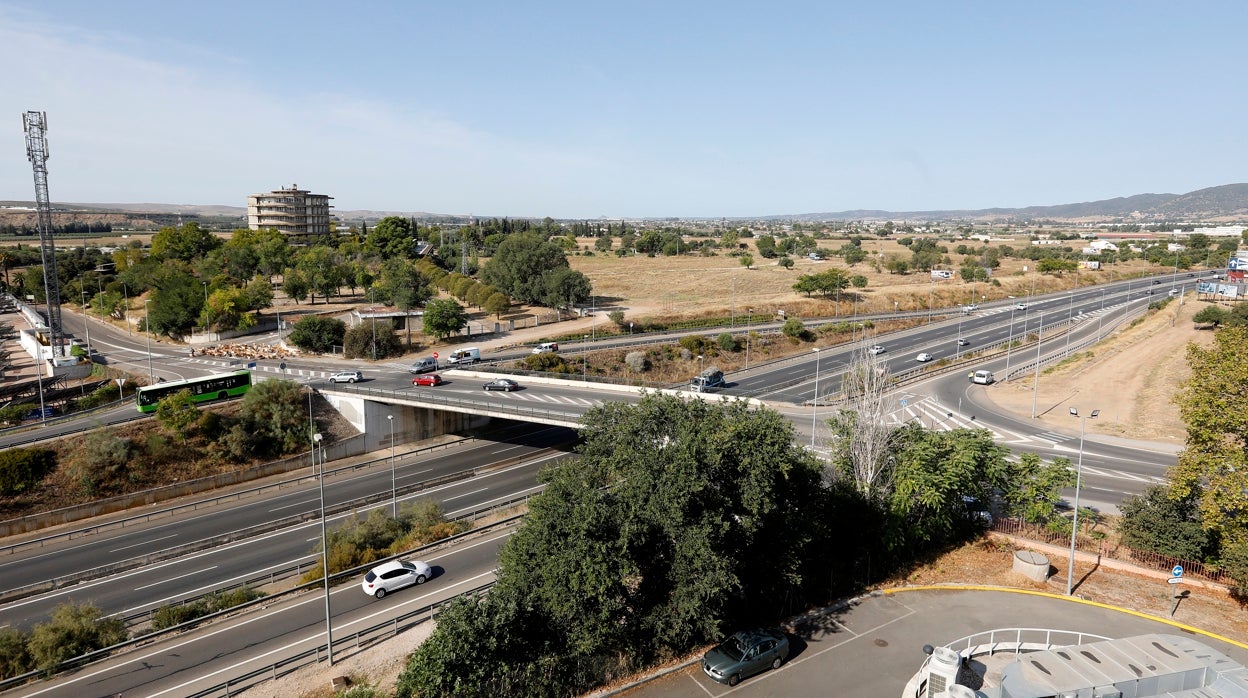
[[125, 311], [814, 404], [957, 351], [748, 319], [1009, 342], [147, 321], [86, 322], [1035, 389], [1074, 525], [207, 317], [394, 490], [316, 441], [1070, 316]]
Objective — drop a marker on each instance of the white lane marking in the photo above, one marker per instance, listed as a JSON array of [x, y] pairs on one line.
[[146, 542], [461, 496], [181, 576]]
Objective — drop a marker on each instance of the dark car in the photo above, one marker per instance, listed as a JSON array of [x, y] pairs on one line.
[[744, 654], [504, 384], [430, 379]]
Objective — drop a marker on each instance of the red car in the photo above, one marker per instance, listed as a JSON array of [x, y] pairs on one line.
[[427, 379]]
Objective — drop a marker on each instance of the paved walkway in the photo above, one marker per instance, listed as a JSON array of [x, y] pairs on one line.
[[872, 647]]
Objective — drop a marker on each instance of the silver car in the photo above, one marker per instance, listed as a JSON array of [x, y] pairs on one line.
[[395, 575], [744, 654], [346, 377]]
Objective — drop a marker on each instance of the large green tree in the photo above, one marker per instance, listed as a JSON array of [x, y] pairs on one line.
[[185, 243], [391, 238], [444, 317], [519, 265]]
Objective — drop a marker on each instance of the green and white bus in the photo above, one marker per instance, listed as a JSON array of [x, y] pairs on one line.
[[215, 387]]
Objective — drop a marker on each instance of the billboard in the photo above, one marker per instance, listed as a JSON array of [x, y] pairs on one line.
[[1240, 263], [1236, 276], [1090, 264]]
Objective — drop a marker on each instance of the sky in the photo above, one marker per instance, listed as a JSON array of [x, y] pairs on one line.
[[623, 110]]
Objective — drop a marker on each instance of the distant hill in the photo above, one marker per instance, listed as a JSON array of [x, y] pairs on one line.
[[1224, 204]]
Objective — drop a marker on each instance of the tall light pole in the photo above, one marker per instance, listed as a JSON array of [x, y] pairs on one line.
[[147, 322], [1070, 316], [86, 322], [394, 490], [99, 285], [316, 441], [125, 311], [957, 351], [1009, 342], [1035, 389], [207, 318], [748, 319], [1074, 525], [814, 404], [931, 289]]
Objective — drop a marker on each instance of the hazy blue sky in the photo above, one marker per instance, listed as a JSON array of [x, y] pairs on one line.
[[587, 109]]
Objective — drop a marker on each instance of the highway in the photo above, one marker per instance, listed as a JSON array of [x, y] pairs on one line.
[[1111, 471]]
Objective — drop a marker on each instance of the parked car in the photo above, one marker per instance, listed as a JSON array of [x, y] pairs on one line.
[[546, 347], [877, 349], [924, 357], [346, 377], [744, 654], [504, 384], [1020, 306], [394, 575], [430, 379]]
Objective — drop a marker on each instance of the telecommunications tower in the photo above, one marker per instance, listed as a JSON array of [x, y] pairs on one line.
[[35, 124]]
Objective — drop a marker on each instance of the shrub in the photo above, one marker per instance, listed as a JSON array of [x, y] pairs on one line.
[[169, 616], [23, 468], [73, 630], [616, 316], [317, 334], [793, 329], [15, 658], [548, 362], [637, 361], [357, 343], [696, 344], [726, 341]]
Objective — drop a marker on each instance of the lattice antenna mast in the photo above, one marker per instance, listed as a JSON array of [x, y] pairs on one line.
[[35, 124]]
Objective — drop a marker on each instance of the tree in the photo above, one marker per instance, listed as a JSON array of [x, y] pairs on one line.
[[766, 246], [391, 238], [498, 304], [73, 631], [1210, 315], [861, 447], [275, 413], [444, 318], [1037, 488], [369, 341], [177, 301], [185, 243], [747, 261], [519, 266], [177, 412], [644, 546], [295, 285], [565, 287], [858, 281], [786, 262], [1159, 522], [1213, 468], [317, 334]]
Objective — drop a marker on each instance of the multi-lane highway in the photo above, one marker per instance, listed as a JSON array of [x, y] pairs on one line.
[[1111, 472]]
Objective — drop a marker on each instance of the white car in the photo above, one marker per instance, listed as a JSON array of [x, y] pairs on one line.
[[1020, 306], [346, 377], [394, 575], [877, 349], [924, 357]]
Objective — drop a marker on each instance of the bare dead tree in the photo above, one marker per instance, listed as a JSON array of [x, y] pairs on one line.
[[861, 443]]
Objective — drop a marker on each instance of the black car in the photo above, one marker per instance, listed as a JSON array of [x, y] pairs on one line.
[[504, 384]]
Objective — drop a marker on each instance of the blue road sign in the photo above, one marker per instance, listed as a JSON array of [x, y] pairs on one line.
[[251, 365], [1177, 571]]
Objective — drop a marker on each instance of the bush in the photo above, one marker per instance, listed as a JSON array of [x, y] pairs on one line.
[[637, 361], [15, 658], [169, 616], [793, 329], [1157, 522], [73, 631], [23, 468], [726, 341], [317, 334], [357, 343], [548, 362], [358, 542], [696, 344]]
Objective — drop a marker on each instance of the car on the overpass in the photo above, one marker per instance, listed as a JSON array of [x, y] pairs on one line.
[[504, 384], [430, 379], [394, 575], [346, 377]]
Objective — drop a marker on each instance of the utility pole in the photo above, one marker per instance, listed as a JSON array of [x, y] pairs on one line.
[[35, 124]]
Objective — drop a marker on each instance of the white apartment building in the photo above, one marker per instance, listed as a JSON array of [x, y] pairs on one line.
[[293, 211]]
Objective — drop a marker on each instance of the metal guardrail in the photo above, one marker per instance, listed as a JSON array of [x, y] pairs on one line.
[[214, 501], [100, 654], [990, 642], [240, 534], [429, 398]]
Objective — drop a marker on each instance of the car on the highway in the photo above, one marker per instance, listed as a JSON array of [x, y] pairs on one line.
[[346, 377], [924, 357], [877, 349], [1156, 282], [744, 654], [1174, 292], [430, 379], [504, 384], [1020, 306], [544, 347], [970, 308], [394, 575], [962, 342]]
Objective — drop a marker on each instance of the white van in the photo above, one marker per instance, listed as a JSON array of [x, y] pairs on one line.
[[471, 355], [982, 377], [545, 347]]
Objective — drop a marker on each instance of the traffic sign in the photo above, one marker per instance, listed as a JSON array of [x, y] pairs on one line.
[[1177, 571], [435, 354], [1175, 580]]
